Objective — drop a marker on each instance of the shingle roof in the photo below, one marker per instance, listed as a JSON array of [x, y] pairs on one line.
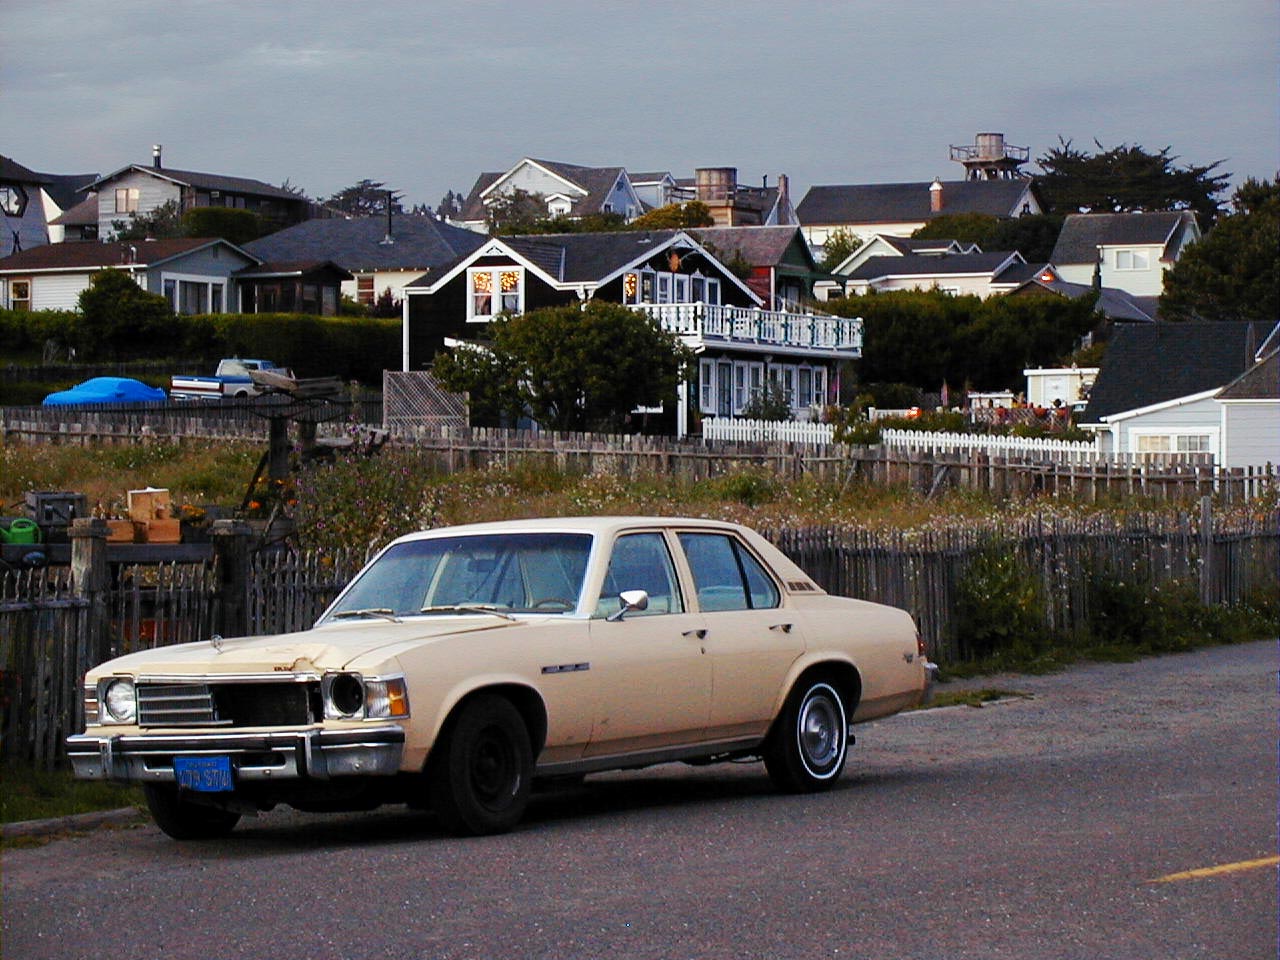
[[289, 268], [759, 246], [1261, 382], [1113, 303], [204, 181], [65, 188], [908, 202], [14, 172], [1083, 233], [915, 264], [120, 253], [84, 212], [421, 243], [1147, 364]]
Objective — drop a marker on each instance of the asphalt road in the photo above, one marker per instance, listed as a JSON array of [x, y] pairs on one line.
[[1027, 829]]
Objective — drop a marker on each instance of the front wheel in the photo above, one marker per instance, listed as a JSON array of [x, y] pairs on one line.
[[184, 820], [481, 772], [806, 749]]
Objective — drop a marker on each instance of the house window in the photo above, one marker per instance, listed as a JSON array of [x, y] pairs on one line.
[[215, 299], [664, 288], [364, 289], [820, 386], [631, 288], [193, 297], [681, 288], [1174, 442], [13, 199], [698, 288], [127, 200], [739, 387], [646, 286], [1132, 260], [706, 387], [19, 294], [493, 292], [806, 387], [713, 290]]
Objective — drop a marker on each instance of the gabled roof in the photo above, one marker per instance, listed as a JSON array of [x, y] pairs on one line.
[[758, 246], [420, 243], [909, 202], [1148, 364], [914, 264], [54, 257], [1083, 233], [201, 181], [13, 172], [1260, 382], [596, 183], [884, 245], [573, 260]]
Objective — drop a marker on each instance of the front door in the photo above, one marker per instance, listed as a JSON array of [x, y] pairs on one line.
[[724, 390]]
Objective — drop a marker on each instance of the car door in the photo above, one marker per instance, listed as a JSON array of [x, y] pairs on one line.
[[651, 677], [751, 638]]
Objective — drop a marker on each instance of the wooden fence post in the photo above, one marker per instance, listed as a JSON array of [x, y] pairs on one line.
[[231, 547], [1207, 592], [89, 581]]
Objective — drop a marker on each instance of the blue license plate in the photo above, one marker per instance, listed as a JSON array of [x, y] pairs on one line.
[[205, 774]]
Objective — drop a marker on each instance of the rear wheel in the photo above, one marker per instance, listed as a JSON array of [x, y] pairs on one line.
[[182, 819], [481, 773], [806, 750]]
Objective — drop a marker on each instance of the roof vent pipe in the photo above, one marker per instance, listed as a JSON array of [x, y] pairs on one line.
[[389, 238]]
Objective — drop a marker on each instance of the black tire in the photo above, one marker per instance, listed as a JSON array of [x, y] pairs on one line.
[[481, 774], [807, 747], [184, 820]]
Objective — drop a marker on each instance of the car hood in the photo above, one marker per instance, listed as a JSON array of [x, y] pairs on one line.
[[333, 646]]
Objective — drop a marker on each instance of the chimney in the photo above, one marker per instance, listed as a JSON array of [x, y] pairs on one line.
[[155, 155], [935, 196]]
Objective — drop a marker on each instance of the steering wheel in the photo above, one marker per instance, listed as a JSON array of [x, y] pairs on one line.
[[566, 604]]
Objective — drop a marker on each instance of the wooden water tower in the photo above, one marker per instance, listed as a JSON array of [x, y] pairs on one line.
[[990, 158]]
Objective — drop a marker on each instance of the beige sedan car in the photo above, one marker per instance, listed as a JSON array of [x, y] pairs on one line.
[[464, 662]]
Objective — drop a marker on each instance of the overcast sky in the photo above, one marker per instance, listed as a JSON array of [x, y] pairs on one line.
[[425, 95]]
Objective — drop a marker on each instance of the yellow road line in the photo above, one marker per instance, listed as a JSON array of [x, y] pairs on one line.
[[1219, 870]]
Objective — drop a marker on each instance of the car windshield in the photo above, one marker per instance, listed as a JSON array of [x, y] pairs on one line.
[[503, 572]]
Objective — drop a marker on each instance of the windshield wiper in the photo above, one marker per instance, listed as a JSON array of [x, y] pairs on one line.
[[468, 608], [384, 612]]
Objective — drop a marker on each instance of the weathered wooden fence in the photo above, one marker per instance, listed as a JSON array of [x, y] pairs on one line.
[[57, 622], [452, 448]]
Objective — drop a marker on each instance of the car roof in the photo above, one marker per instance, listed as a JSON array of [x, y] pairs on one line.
[[611, 526], [592, 525]]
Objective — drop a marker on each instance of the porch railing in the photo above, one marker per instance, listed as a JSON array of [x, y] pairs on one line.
[[728, 325]]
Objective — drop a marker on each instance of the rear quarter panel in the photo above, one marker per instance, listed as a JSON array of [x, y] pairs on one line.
[[880, 642]]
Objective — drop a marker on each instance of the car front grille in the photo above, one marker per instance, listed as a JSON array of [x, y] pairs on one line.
[[267, 704]]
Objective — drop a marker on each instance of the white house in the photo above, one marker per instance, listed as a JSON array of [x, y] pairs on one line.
[[1130, 251], [1161, 390], [568, 190]]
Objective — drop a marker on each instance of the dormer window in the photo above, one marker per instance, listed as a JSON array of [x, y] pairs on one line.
[[491, 292]]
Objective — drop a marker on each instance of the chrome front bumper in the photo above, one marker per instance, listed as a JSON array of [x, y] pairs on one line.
[[295, 754]]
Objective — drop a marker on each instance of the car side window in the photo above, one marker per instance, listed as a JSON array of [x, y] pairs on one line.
[[641, 561], [726, 575]]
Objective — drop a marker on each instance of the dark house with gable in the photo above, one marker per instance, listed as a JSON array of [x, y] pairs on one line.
[[668, 274]]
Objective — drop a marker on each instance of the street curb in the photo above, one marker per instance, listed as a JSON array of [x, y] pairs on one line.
[[72, 822]]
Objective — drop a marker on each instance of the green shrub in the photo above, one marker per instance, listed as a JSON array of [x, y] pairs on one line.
[[1000, 607]]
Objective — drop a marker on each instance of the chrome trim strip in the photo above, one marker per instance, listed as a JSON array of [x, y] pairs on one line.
[[283, 676], [647, 758]]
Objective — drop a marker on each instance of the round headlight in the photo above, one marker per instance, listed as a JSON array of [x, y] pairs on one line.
[[120, 700], [346, 693]]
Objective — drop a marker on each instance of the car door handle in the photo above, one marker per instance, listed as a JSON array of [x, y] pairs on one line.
[[783, 627], [700, 633]]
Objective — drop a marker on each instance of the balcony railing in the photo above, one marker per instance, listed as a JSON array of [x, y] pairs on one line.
[[706, 323]]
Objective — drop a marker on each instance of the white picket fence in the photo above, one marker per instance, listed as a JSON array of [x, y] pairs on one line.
[[787, 431], [1030, 448]]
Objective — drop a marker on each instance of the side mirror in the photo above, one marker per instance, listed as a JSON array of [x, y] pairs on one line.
[[631, 600]]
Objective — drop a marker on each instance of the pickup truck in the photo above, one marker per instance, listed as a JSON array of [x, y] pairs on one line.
[[232, 379]]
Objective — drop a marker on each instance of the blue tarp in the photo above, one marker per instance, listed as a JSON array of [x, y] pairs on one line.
[[106, 390]]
